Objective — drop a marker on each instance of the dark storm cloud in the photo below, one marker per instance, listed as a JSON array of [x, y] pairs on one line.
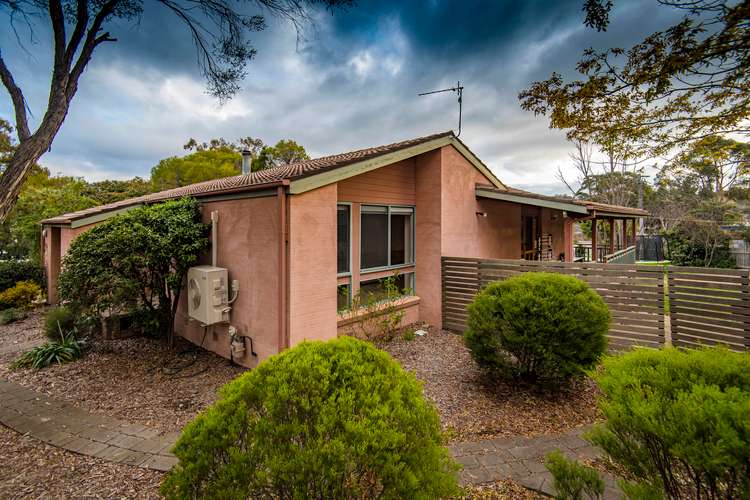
[[350, 82]]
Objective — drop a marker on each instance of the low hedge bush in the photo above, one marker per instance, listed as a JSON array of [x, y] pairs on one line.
[[678, 420], [573, 480], [13, 271], [541, 328], [20, 296], [338, 419], [59, 319]]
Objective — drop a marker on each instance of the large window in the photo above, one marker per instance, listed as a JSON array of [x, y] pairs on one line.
[[387, 236], [344, 239]]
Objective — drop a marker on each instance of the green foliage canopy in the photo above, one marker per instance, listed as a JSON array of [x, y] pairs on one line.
[[339, 419], [689, 81], [136, 260]]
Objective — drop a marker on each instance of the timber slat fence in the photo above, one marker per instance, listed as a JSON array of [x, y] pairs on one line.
[[707, 306]]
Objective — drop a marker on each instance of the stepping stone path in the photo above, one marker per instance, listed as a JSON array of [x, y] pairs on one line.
[[65, 426]]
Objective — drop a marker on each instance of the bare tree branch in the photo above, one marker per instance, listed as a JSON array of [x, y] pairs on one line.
[[19, 102]]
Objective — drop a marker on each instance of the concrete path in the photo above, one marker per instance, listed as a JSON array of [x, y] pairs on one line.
[[522, 460], [65, 426]]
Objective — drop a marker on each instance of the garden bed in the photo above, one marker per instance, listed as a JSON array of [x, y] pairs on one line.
[[32, 469], [139, 380], [473, 408]]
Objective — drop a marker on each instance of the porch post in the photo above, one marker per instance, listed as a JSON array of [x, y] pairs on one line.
[[624, 233], [594, 250], [568, 235], [611, 235]]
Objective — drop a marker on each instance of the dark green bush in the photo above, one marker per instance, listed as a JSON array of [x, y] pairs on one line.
[[135, 262], [13, 271], [573, 480], [59, 319], [338, 419], [67, 348], [678, 420], [541, 328]]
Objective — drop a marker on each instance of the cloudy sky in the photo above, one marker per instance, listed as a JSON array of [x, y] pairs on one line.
[[351, 82]]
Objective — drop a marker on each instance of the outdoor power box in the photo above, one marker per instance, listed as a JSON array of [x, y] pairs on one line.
[[207, 294]]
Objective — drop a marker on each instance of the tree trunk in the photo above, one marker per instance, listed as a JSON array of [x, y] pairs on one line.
[[28, 153]]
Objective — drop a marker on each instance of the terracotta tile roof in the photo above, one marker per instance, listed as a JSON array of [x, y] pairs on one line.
[[270, 176], [590, 205]]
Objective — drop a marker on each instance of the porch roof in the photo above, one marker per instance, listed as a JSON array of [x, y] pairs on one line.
[[573, 206]]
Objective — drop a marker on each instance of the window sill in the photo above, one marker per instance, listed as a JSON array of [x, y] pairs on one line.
[[348, 317]]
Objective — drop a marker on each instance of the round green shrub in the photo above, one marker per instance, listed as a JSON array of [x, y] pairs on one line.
[[21, 296], [57, 319], [337, 419], [678, 421], [542, 328]]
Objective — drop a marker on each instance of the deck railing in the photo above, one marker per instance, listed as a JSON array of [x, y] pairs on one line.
[[624, 256]]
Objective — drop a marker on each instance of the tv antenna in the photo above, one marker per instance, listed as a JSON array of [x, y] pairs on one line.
[[457, 89]]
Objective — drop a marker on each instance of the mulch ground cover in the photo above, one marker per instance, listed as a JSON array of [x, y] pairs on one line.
[[473, 407]]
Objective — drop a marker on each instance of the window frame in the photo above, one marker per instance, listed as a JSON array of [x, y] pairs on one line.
[[351, 238], [413, 260]]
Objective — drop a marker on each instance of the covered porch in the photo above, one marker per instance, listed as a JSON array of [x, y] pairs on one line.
[[554, 228]]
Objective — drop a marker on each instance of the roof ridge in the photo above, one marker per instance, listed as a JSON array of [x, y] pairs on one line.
[[277, 174]]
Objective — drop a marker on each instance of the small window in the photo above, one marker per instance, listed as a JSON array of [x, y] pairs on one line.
[[374, 237], [386, 288], [344, 238], [387, 236]]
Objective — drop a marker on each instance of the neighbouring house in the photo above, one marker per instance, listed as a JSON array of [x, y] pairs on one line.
[[302, 238]]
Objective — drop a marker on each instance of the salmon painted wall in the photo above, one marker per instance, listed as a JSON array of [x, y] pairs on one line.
[[248, 246], [56, 243], [428, 235], [312, 265], [391, 185]]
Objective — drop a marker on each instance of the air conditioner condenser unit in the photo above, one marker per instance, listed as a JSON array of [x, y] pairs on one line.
[[207, 293]]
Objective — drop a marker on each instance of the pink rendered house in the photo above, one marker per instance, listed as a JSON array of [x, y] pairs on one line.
[[300, 237]]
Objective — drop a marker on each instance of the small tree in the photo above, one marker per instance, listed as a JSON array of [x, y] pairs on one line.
[[135, 261], [334, 420], [541, 328]]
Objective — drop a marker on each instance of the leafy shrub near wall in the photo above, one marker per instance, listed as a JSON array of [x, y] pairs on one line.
[[60, 319], [338, 419], [13, 271], [21, 296], [135, 261], [678, 420], [541, 328]]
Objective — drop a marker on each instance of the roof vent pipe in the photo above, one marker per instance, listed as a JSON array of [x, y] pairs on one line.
[[246, 159]]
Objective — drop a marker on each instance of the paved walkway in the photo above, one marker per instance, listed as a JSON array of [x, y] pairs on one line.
[[65, 426], [522, 460]]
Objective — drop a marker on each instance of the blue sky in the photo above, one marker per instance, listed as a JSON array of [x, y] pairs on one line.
[[351, 82]]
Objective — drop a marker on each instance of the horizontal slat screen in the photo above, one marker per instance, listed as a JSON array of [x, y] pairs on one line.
[[634, 294], [709, 306]]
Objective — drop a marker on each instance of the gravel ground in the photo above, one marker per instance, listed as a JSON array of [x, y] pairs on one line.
[[127, 379], [500, 490], [21, 334], [474, 408], [32, 469]]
